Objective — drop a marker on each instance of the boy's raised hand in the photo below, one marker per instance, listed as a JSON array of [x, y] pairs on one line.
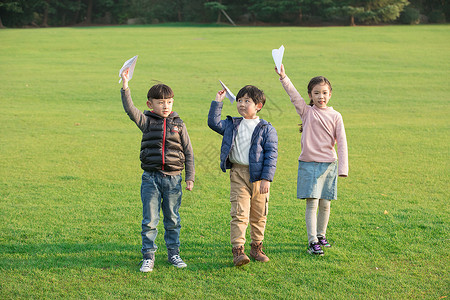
[[281, 72], [125, 76], [220, 95]]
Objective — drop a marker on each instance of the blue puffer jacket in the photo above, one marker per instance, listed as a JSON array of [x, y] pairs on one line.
[[263, 149]]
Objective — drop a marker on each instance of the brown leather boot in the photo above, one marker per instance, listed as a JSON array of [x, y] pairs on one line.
[[239, 257], [257, 253]]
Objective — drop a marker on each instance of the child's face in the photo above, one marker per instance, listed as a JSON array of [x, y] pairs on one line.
[[161, 107], [320, 95], [247, 108]]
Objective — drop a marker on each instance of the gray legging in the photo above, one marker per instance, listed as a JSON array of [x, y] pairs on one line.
[[316, 223]]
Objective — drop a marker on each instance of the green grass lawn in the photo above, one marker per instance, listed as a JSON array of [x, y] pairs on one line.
[[70, 173]]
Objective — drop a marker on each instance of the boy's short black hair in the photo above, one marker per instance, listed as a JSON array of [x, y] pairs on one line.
[[160, 91], [253, 92]]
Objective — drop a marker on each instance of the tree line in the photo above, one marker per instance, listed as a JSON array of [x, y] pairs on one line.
[[45, 13]]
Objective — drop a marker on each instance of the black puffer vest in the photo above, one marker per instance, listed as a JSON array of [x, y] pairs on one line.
[[161, 147]]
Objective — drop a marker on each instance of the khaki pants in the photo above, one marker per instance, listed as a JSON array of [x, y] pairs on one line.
[[247, 204]]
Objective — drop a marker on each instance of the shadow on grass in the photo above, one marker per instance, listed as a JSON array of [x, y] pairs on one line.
[[67, 255], [200, 256]]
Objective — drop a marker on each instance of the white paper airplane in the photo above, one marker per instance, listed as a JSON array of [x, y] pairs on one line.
[[277, 55], [228, 94], [131, 63]]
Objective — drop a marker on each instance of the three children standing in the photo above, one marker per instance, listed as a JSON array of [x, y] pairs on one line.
[[250, 150]]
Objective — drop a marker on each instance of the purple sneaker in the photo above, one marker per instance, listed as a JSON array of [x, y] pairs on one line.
[[315, 249], [323, 242]]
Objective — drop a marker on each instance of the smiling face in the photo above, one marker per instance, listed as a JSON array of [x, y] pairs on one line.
[[247, 108], [161, 107], [320, 95]]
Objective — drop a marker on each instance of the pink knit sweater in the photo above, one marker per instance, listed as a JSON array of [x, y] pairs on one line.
[[322, 129]]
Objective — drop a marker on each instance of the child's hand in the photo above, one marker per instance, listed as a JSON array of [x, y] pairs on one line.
[[264, 187], [281, 72], [125, 75], [189, 185], [220, 95]]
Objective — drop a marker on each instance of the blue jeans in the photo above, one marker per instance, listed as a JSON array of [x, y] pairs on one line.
[[154, 188]]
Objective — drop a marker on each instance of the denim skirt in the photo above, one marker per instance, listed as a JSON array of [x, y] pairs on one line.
[[317, 180]]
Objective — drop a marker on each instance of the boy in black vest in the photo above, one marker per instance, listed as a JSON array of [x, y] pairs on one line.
[[165, 151]]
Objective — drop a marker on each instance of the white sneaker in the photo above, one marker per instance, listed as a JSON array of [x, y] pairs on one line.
[[147, 265], [176, 261]]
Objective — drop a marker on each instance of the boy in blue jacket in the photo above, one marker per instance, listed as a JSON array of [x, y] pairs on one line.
[[250, 150]]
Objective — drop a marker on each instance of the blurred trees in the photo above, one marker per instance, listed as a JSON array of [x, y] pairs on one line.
[[437, 11], [20, 13], [367, 11]]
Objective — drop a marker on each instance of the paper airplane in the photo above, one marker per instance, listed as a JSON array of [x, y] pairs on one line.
[[228, 94], [277, 55], [131, 63]]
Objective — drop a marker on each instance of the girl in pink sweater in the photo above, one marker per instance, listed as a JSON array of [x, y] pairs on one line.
[[318, 168]]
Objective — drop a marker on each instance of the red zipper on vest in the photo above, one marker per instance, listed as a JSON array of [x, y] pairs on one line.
[[163, 143]]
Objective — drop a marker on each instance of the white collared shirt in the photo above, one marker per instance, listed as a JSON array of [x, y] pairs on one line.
[[241, 149]]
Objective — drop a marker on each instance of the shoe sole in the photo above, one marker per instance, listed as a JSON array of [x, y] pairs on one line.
[[242, 262], [146, 271], [259, 259], [314, 253]]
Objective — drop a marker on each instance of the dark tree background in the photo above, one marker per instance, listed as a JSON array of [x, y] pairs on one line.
[[43, 13]]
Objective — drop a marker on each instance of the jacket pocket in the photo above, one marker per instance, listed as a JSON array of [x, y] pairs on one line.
[[143, 155], [182, 158], [236, 207]]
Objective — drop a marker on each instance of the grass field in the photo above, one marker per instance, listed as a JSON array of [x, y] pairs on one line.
[[70, 173]]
